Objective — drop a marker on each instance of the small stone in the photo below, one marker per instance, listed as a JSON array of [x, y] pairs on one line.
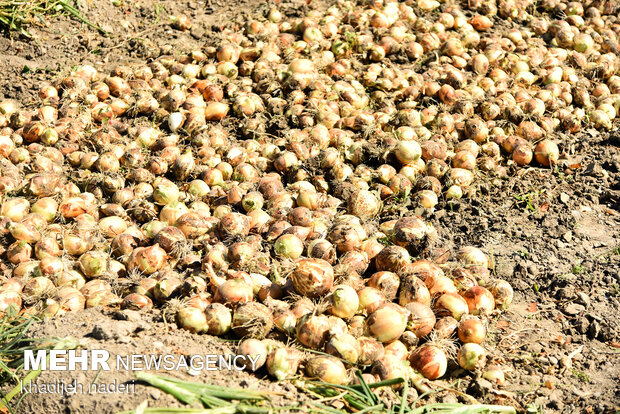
[[568, 236], [101, 332], [564, 198], [128, 315], [574, 309], [505, 269], [113, 330], [555, 400], [582, 325], [553, 360], [583, 299], [449, 398], [479, 387], [594, 330]]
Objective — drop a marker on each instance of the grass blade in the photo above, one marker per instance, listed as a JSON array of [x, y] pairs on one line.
[[179, 393]]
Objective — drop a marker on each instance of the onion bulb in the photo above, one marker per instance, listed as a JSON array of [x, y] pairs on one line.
[[388, 322], [344, 346], [283, 363], [421, 319], [479, 300], [430, 361], [471, 329], [471, 356], [312, 277], [471, 255], [327, 369], [256, 350], [192, 319], [343, 302]]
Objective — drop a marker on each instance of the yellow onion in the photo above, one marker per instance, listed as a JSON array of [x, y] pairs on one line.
[[192, 319], [397, 349], [93, 264], [343, 301], [283, 362], [408, 151], [327, 369], [344, 346], [15, 209], [388, 322], [389, 367], [256, 350], [471, 356], [364, 204], [150, 259], [252, 319], [313, 330], [413, 290], [234, 291], [219, 319], [471, 255], [502, 293], [471, 329], [312, 277], [370, 299], [494, 374], [479, 300], [451, 304], [430, 361], [421, 319]]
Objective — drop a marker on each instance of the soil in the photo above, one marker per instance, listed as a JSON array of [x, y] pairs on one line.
[[553, 234]]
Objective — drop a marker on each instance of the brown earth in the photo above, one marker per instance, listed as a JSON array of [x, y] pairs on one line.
[[553, 235]]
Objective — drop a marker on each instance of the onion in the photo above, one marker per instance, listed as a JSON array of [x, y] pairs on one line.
[[343, 301], [392, 259], [289, 246], [522, 155], [471, 329], [322, 249], [451, 304], [386, 282], [413, 290], [149, 260], [234, 291], [283, 363], [93, 264], [344, 346], [312, 277], [546, 153], [192, 319], [370, 350], [313, 330], [253, 320], [389, 367], [502, 293], [167, 287], [430, 361], [479, 300], [494, 374], [470, 255], [364, 204], [256, 350], [397, 349], [370, 299], [285, 321], [136, 301], [421, 319], [408, 151], [327, 369], [472, 356], [219, 319], [388, 322]]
